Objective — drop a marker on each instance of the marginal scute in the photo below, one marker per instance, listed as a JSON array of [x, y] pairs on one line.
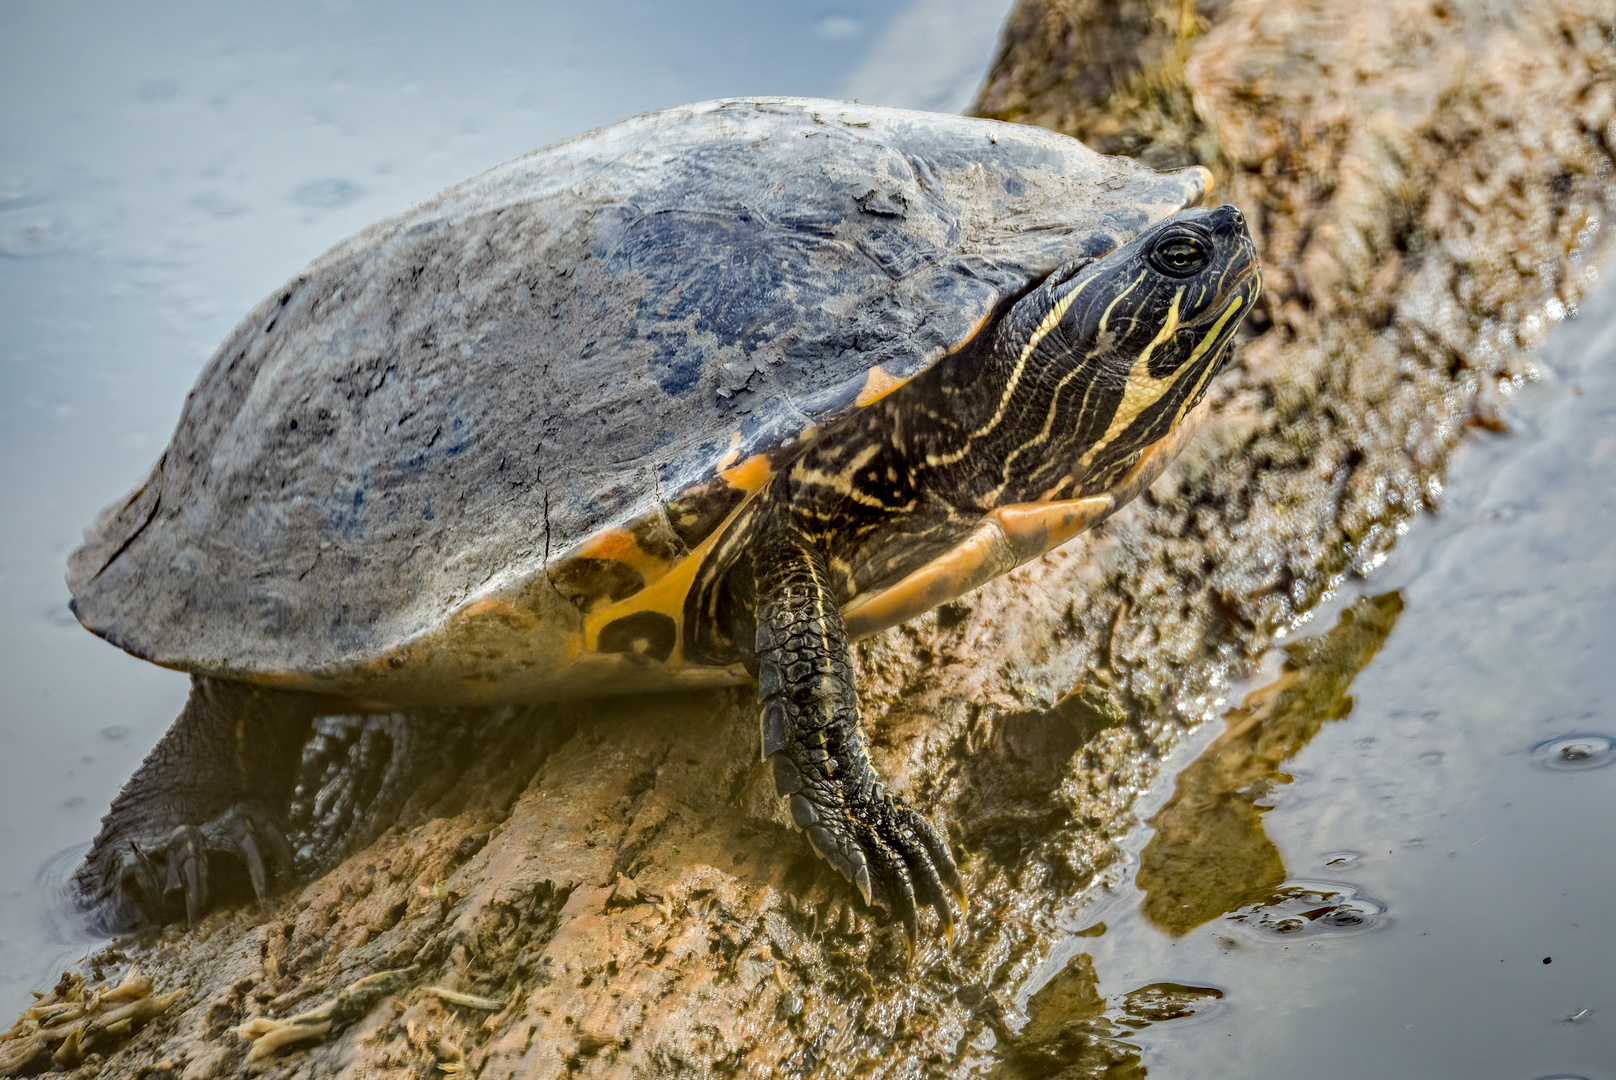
[[877, 385], [696, 512], [750, 475]]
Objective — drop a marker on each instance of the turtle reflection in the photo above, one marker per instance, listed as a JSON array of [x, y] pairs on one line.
[[1072, 1031], [1210, 854]]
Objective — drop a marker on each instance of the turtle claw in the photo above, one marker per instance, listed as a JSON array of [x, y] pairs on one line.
[[255, 865], [135, 881], [862, 881], [187, 858], [892, 855], [246, 830]]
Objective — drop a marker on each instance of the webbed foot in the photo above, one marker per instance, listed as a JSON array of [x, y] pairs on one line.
[[149, 877], [202, 816]]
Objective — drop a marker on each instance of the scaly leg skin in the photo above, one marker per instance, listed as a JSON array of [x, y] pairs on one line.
[[217, 784], [895, 857]]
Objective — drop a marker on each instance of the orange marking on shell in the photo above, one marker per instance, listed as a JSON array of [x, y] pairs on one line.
[[750, 475], [667, 594], [619, 545], [877, 385], [733, 453]]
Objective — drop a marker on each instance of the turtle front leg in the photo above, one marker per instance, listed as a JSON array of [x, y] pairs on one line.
[[217, 784], [811, 736]]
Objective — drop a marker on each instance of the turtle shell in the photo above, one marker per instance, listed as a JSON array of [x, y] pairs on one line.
[[477, 451]]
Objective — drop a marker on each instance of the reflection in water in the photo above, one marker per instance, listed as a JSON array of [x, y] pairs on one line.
[[1068, 1034], [1210, 855], [1071, 1033]]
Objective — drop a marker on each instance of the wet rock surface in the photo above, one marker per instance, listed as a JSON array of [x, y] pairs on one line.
[[1425, 184]]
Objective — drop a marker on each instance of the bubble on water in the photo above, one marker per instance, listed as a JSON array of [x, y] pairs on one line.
[[1310, 908], [1574, 753]]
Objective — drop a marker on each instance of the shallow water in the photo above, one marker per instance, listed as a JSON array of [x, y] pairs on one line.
[[1446, 845], [163, 168]]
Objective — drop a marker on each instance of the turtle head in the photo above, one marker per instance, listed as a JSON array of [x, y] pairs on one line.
[[1108, 355]]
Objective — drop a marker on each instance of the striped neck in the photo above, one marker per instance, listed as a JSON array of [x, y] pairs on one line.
[[1076, 380]]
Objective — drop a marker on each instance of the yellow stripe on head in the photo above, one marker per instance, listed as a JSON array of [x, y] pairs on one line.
[[1141, 390], [1045, 326], [1211, 338]]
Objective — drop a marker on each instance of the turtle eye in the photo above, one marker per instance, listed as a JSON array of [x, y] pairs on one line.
[[1179, 256]]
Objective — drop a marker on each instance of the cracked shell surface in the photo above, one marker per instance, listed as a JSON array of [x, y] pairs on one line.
[[435, 462]]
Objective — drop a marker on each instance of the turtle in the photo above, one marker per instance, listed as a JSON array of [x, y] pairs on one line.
[[694, 399]]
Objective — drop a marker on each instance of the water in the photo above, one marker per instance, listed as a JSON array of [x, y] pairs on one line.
[[164, 166], [1459, 816]]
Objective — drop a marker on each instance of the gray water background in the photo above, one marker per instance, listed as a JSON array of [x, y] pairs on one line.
[[164, 166]]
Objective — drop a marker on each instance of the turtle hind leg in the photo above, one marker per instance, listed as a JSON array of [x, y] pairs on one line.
[[209, 799], [357, 773], [895, 857]]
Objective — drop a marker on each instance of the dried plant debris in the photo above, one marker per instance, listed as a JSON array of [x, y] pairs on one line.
[[268, 1036], [65, 1026]]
